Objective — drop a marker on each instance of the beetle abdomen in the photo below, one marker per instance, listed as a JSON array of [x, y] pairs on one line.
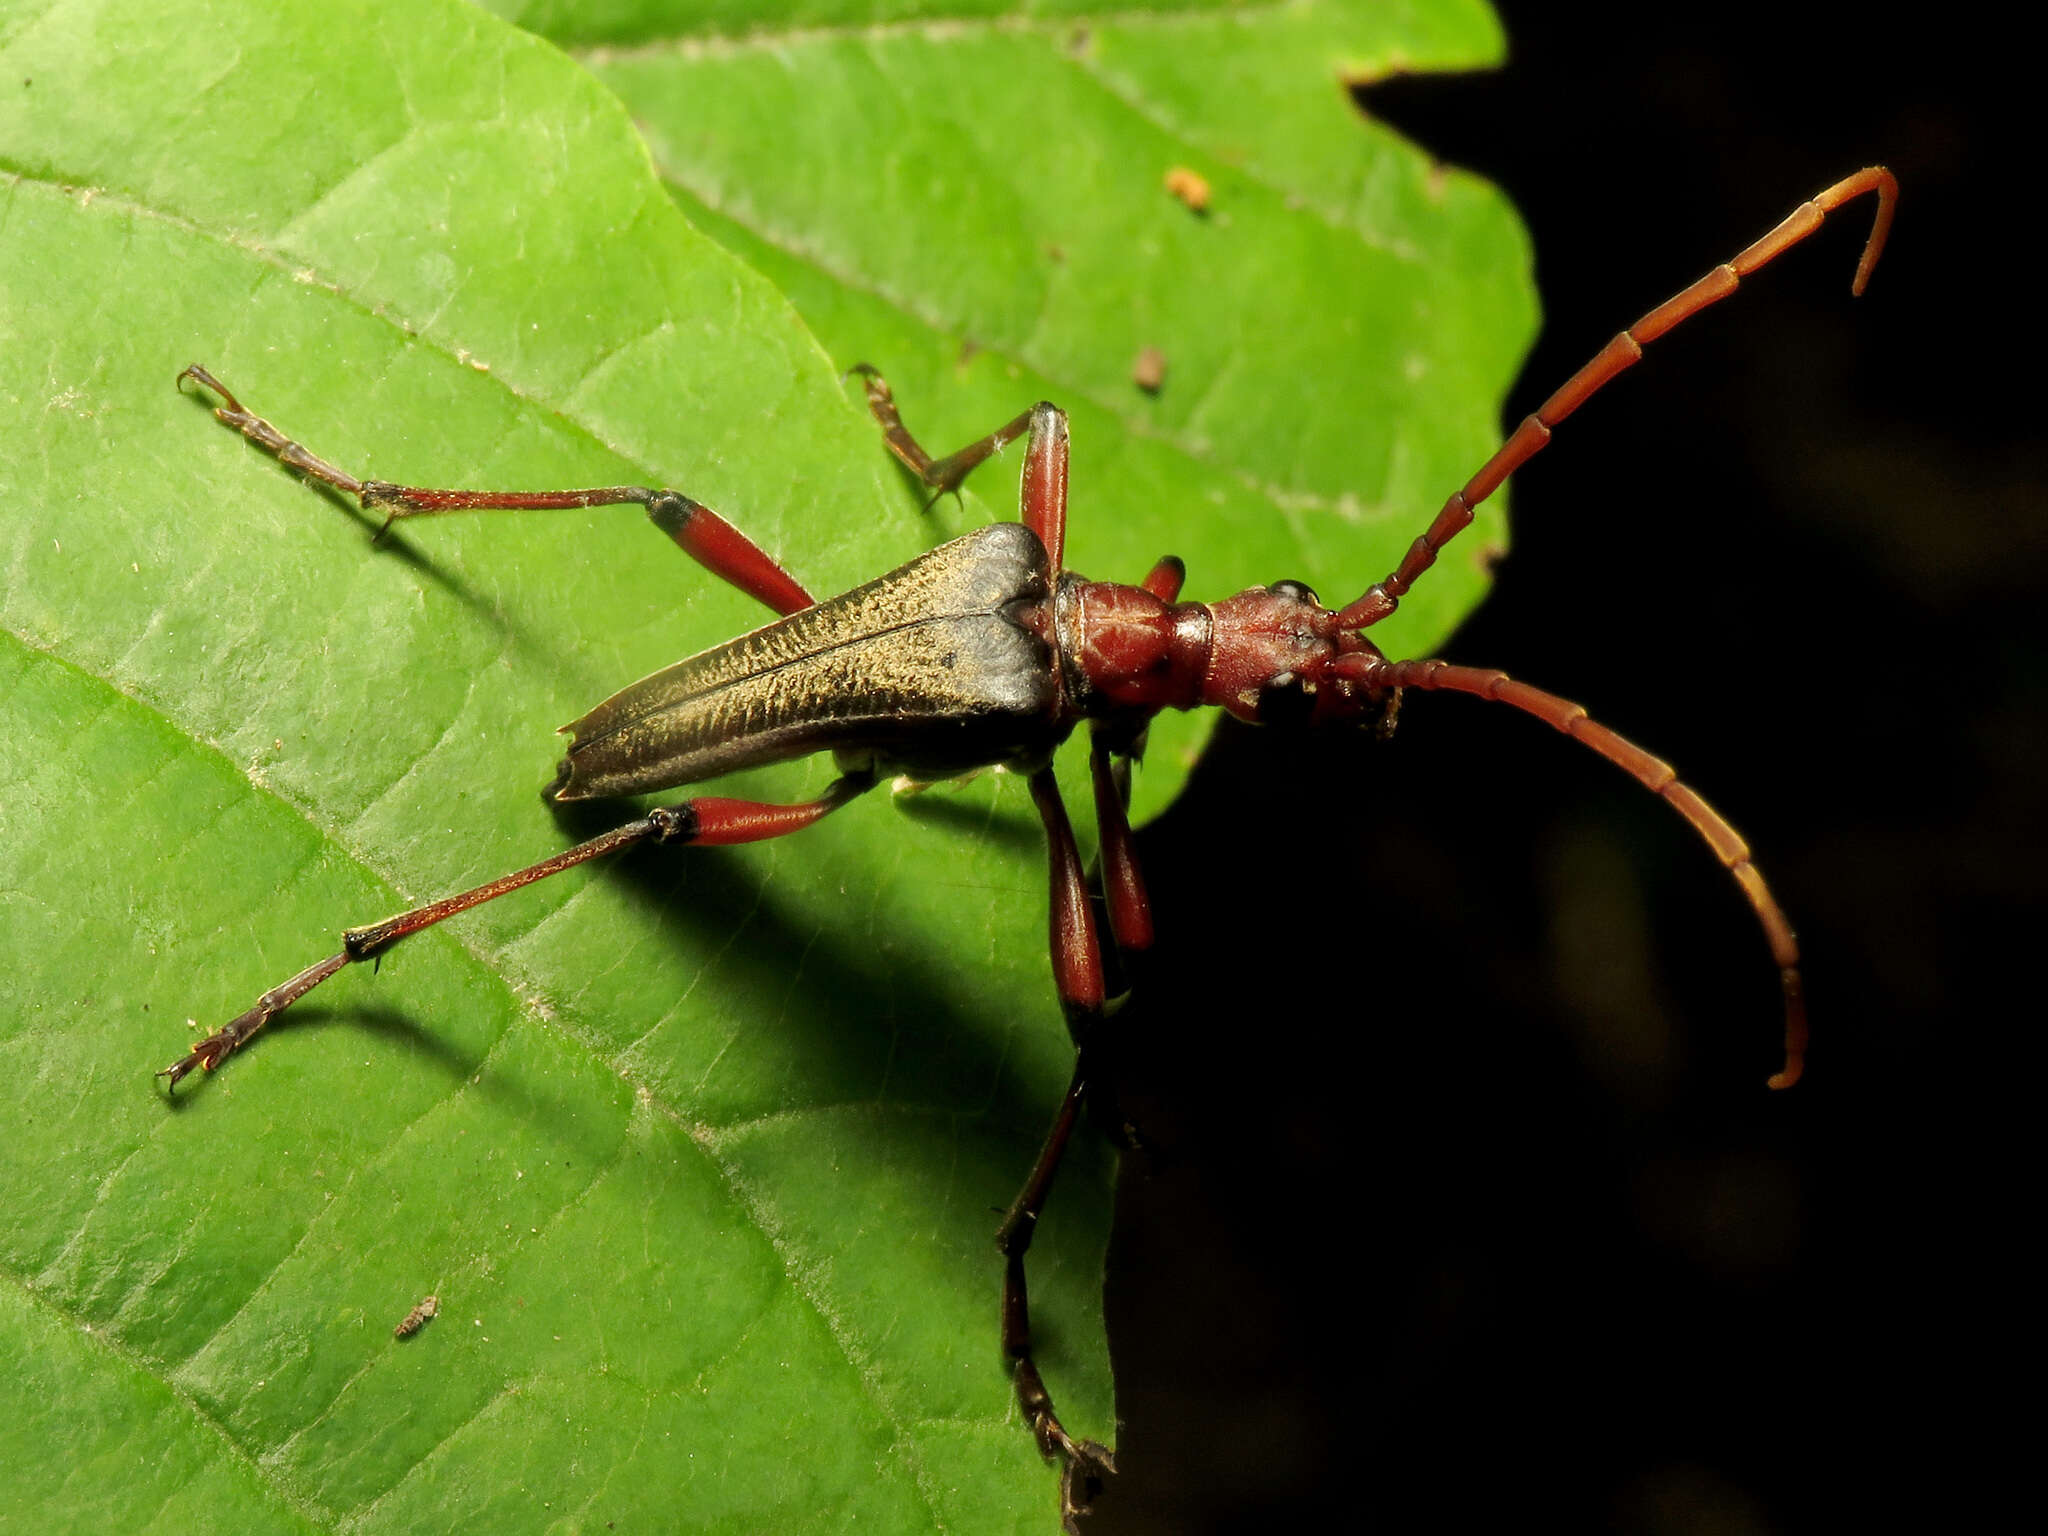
[[928, 665]]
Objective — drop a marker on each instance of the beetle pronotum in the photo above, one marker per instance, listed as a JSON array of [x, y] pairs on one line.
[[987, 651]]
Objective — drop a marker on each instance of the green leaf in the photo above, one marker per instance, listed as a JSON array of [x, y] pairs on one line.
[[700, 1151]]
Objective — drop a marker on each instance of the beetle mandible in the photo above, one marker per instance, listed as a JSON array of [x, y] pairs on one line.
[[986, 651]]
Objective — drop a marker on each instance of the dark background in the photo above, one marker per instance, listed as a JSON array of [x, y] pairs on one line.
[[1466, 1202]]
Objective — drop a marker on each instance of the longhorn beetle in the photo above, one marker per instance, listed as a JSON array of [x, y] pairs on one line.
[[987, 651]]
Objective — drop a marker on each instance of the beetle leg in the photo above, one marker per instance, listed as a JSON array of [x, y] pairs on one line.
[[1083, 1463], [1164, 580], [1044, 495], [942, 475], [699, 532], [1076, 947], [1042, 498], [709, 820], [1077, 968], [1123, 884], [1121, 880]]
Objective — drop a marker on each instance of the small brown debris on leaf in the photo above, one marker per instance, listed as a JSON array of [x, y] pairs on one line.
[[416, 1319], [1191, 187], [1149, 372]]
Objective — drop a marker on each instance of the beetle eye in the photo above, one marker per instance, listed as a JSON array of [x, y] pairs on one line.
[[1300, 591]]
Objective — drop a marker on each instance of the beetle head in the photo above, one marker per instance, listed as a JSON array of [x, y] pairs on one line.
[[1274, 661]]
